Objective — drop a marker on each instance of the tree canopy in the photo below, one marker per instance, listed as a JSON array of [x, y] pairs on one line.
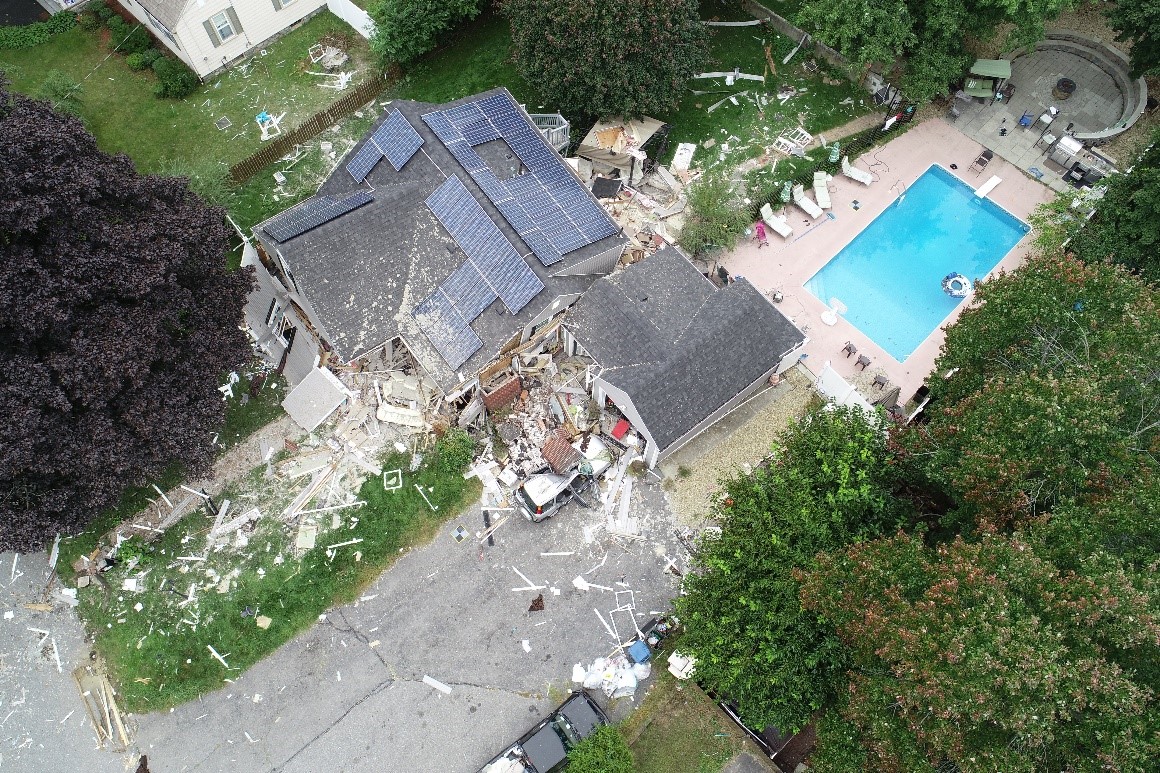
[[927, 35], [117, 321], [605, 58], [407, 29], [984, 654], [1138, 21], [828, 486]]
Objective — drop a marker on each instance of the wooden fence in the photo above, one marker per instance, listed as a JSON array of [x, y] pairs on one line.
[[309, 129]]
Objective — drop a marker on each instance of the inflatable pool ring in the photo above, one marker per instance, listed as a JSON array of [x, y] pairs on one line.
[[956, 285]]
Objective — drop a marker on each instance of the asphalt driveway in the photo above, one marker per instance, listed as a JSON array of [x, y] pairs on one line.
[[349, 694]]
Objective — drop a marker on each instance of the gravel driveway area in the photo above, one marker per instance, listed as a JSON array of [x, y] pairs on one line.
[[350, 693]]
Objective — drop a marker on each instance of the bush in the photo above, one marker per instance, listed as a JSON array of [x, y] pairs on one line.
[[118, 29], [143, 60], [174, 79], [605, 751], [135, 40], [62, 91], [102, 10], [38, 32], [89, 22], [455, 451]]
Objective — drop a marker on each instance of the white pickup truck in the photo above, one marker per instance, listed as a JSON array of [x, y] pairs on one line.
[[542, 494]]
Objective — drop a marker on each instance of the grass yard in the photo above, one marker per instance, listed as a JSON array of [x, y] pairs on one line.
[[473, 58], [747, 130], [159, 654], [678, 729], [118, 106]]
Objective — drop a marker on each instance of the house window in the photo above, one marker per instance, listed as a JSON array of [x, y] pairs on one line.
[[222, 26], [280, 4]]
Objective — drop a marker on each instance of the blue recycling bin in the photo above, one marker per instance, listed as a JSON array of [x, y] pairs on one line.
[[639, 652]]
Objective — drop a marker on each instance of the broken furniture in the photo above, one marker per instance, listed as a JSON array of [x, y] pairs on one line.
[[822, 190], [328, 56], [805, 204], [269, 124], [776, 222], [854, 173]]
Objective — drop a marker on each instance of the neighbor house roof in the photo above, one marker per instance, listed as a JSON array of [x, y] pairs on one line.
[[168, 12], [449, 225], [678, 345]]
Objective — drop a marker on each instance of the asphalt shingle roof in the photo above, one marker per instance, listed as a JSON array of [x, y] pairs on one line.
[[364, 272], [680, 347], [168, 12]]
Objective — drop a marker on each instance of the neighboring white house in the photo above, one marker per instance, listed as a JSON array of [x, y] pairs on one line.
[[210, 34]]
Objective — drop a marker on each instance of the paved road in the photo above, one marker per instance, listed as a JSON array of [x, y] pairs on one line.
[[43, 724], [348, 695]]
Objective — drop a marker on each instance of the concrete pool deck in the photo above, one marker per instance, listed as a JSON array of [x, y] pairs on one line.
[[786, 265]]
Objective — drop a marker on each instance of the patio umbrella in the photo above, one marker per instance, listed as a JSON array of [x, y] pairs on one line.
[[835, 150], [785, 194]]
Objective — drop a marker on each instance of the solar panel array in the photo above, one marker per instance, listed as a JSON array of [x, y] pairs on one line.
[[547, 205], [395, 139], [493, 269], [313, 213]]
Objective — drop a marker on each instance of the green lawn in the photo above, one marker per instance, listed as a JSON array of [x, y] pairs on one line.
[[159, 655], [678, 729], [473, 58], [118, 106]]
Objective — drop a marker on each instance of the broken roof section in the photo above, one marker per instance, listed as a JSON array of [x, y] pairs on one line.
[[456, 282], [677, 345], [615, 142], [315, 398]]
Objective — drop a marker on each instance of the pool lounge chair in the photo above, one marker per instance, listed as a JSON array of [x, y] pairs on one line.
[[822, 189], [776, 222], [806, 204], [854, 173]]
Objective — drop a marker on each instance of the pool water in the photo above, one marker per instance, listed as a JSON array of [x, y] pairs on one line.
[[890, 277]]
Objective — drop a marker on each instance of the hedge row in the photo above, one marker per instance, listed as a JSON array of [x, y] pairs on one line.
[[38, 32]]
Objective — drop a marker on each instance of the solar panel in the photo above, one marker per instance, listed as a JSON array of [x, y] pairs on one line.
[[313, 213], [397, 139], [547, 205], [364, 161], [446, 329], [499, 266]]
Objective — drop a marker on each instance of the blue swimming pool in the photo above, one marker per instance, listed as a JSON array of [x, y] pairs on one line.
[[890, 277]]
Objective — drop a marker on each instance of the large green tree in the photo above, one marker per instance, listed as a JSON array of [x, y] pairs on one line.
[[1126, 225], [118, 320], [1138, 21], [407, 29], [828, 485], [602, 58], [1048, 392], [984, 657], [926, 37]]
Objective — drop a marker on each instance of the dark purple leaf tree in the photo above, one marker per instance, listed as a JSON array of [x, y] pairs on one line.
[[118, 320]]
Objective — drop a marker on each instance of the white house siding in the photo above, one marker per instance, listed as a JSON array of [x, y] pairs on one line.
[[303, 354], [602, 389], [175, 47], [259, 19], [562, 302]]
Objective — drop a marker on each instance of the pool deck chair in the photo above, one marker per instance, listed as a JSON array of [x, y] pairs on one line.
[[854, 173], [822, 189], [988, 186], [776, 222], [863, 362], [981, 162], [806, 204], [849, 349]]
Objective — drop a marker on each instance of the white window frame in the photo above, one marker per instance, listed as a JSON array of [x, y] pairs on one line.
[[223, 23]]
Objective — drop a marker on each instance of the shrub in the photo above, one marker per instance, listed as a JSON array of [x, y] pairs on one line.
[[143, 60], [102, 10], [89, 22], [136, 40], [118, 29], [605, 751], [455, 451], [62, 91], [174, 79], [38, 32]]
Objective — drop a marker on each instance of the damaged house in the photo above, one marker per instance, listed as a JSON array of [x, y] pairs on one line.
[[673, 352], [454, 231]]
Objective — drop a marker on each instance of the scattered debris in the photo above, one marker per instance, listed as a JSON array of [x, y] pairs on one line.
[[436, 684]]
